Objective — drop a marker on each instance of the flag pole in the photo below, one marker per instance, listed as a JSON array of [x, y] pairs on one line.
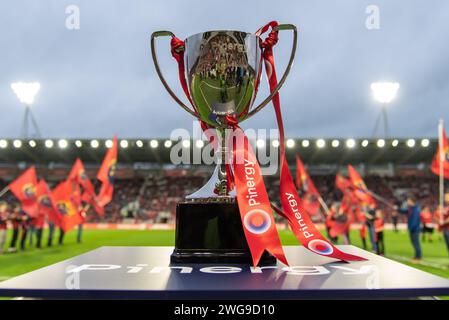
[[5, 189], [324, 206], [441, 177]]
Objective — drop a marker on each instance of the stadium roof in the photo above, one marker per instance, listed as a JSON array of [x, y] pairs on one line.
[[312, 151]]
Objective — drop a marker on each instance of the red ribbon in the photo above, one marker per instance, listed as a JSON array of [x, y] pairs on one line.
[[300, 222]]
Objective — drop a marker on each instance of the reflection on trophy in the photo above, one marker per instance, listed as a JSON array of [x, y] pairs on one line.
[[220, 71]]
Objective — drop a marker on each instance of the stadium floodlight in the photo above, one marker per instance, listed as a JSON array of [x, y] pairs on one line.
[[17, 144], [305, 143], [124, 144], [49, 143], [365, 143], [167, 143], [186, 143], [335, 143], [154, 144], [320, 143], [139, 143], [94, 144], [380, 143], [108, 143], [411, 143], [3, 143], [32, 143], [63, 143], [275, 143], [395, 143], [384, 92], [260, 143], [26, 92], [425, 143], [199, 144], [350, 143], [78, 143], [290, 143]]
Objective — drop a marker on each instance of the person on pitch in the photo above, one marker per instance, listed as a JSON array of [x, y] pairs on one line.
[[39, 222], [412, 210], [427, 224], [369, 213], [17, 218], [3, 224], [379, 229]]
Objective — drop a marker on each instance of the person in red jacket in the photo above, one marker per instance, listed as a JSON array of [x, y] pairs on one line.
[[3, 224], [379, 230], [427, 224]]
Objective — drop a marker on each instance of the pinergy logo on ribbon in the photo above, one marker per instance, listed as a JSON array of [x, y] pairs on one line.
[[257, 221], [321, 247]]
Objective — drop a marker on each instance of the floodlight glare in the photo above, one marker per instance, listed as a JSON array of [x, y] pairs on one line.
[[260, 143], [3, 143], [186, 143], [139, 143], [49, 144], [411, 143], [381, 143], [395, 143], [26, 91], [335, 143], [109, 143], [32, 143], [350, 143], [384, 92], [275, 143], [124, 144], [199, 144], [320, 143], [17, 144], [94, 144], [425, 143], [78, 143], [290, 143], [63, 143], [365, 143], [167, 143], [154, 144], [305, 143]]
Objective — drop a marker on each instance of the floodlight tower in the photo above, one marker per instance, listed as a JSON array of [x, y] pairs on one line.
[[25, 92], [384, 92]]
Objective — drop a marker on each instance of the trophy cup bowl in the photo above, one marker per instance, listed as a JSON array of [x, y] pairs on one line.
[[222, 72]]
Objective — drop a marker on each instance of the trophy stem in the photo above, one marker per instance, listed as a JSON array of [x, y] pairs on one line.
[[222, 151]]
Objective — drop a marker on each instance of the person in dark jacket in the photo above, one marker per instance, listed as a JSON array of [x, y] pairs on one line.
[[413, 212]]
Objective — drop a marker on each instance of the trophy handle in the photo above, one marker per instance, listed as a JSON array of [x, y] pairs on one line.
[[287, 69], [159, 73]]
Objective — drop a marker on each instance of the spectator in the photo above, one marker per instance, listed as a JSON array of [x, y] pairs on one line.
[[379, 229], [413, 212], [3, 224]]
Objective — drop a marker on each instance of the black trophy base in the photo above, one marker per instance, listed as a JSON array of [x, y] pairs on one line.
[[211, 232]]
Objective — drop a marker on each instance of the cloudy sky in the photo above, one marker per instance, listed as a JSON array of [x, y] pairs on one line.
[[100, 79]]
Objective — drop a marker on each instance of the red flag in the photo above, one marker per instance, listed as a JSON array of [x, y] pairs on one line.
[[106, 175], [435, 167], [68, 210], [78, 174], [343, 184], [303, 180], [24, 189], [310, 198], [361, 191], [92, 200], [47, 206]]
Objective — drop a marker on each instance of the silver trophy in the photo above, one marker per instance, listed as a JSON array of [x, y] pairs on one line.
[[222, 72]]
